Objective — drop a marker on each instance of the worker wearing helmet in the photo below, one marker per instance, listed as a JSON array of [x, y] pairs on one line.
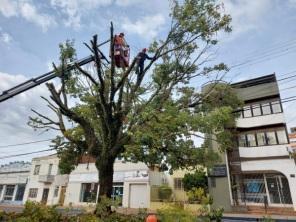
[[141, 57], [119, 40]]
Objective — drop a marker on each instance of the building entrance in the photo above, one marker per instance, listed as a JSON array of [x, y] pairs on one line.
[[278, 189]]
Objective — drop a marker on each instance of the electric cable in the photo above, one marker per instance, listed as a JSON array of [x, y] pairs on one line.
[[25, 154], [25, 143]]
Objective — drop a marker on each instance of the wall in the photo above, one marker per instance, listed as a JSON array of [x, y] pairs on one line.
[[126, 173]]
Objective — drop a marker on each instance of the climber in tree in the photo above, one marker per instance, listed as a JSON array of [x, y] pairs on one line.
[[141, 57]]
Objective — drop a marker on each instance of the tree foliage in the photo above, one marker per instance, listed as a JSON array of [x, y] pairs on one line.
[[152, 117]]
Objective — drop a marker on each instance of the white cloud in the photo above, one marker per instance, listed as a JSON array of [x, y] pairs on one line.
[[5, 37], [147, 27], [75, 9], [27, 10], [127, 2], [246, 15], [8, 8]]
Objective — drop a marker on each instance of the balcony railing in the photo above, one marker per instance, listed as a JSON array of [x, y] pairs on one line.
[[46, 178]]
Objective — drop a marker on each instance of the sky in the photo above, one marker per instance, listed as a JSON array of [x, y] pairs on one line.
[[263, 41]]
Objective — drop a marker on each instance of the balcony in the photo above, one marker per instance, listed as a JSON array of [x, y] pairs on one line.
[[264, 151], [46, 178], [257, 121]]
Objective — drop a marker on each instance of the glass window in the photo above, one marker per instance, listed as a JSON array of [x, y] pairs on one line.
[[282, 136], [242, 140], [178, 183], [49, 169], [33, 192], [88, 192], [271, 139], [56, 191], [213, 181], [1, 189], [36, 169], [117, 192], [276, 107], [247, 111], [261, 139], [266, 108], [9, 192], [20, 192], [251, 139], [256, 110]]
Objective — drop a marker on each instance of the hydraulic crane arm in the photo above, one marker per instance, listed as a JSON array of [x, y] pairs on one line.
[[43, 78]]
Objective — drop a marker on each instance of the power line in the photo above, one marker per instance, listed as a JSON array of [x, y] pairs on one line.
[[271, 48], [26, 143], [261, 59], [24, 154], [291, 87], [286, 78], [287, 73]]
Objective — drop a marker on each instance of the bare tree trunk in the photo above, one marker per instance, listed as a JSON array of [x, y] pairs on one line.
[[106, 170]]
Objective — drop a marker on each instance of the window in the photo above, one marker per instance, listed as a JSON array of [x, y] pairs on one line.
[[251, 139], [88, 192], [33, 192], [36, 169], [247, 111], [276, 107], [213, 182], [117, 192], [56, 191], [282, 136], [271, 138], [266, 109], [20, 192], [8, 195], [178, 183], [49, 169], [1, 189], [256, 110], [242, 141], [261, 139]]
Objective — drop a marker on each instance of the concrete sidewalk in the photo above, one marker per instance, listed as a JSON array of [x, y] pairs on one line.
[[253, 217]]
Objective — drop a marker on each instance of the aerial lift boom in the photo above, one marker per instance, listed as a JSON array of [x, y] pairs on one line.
[[7, 94]]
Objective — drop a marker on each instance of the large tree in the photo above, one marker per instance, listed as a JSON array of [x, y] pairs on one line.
[[151, 117]]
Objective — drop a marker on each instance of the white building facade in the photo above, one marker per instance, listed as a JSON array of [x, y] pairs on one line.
[[45, 184], [131, 184], [13, 180], [260, 169]]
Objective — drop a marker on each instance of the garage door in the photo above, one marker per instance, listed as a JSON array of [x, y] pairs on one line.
[[138, 196]]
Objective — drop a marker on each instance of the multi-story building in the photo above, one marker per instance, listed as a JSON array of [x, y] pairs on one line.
[[13, 179], [259, 171], [45, 183]]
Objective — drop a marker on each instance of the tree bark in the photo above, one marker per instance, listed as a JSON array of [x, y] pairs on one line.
[[106, 170]]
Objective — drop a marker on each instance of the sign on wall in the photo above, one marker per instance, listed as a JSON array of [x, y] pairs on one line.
[[218, 171]]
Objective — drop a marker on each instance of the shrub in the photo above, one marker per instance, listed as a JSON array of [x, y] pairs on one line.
[[36, 212], [175, 214], [199, 195], [216, 214], [195, 180], [165, 192]]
